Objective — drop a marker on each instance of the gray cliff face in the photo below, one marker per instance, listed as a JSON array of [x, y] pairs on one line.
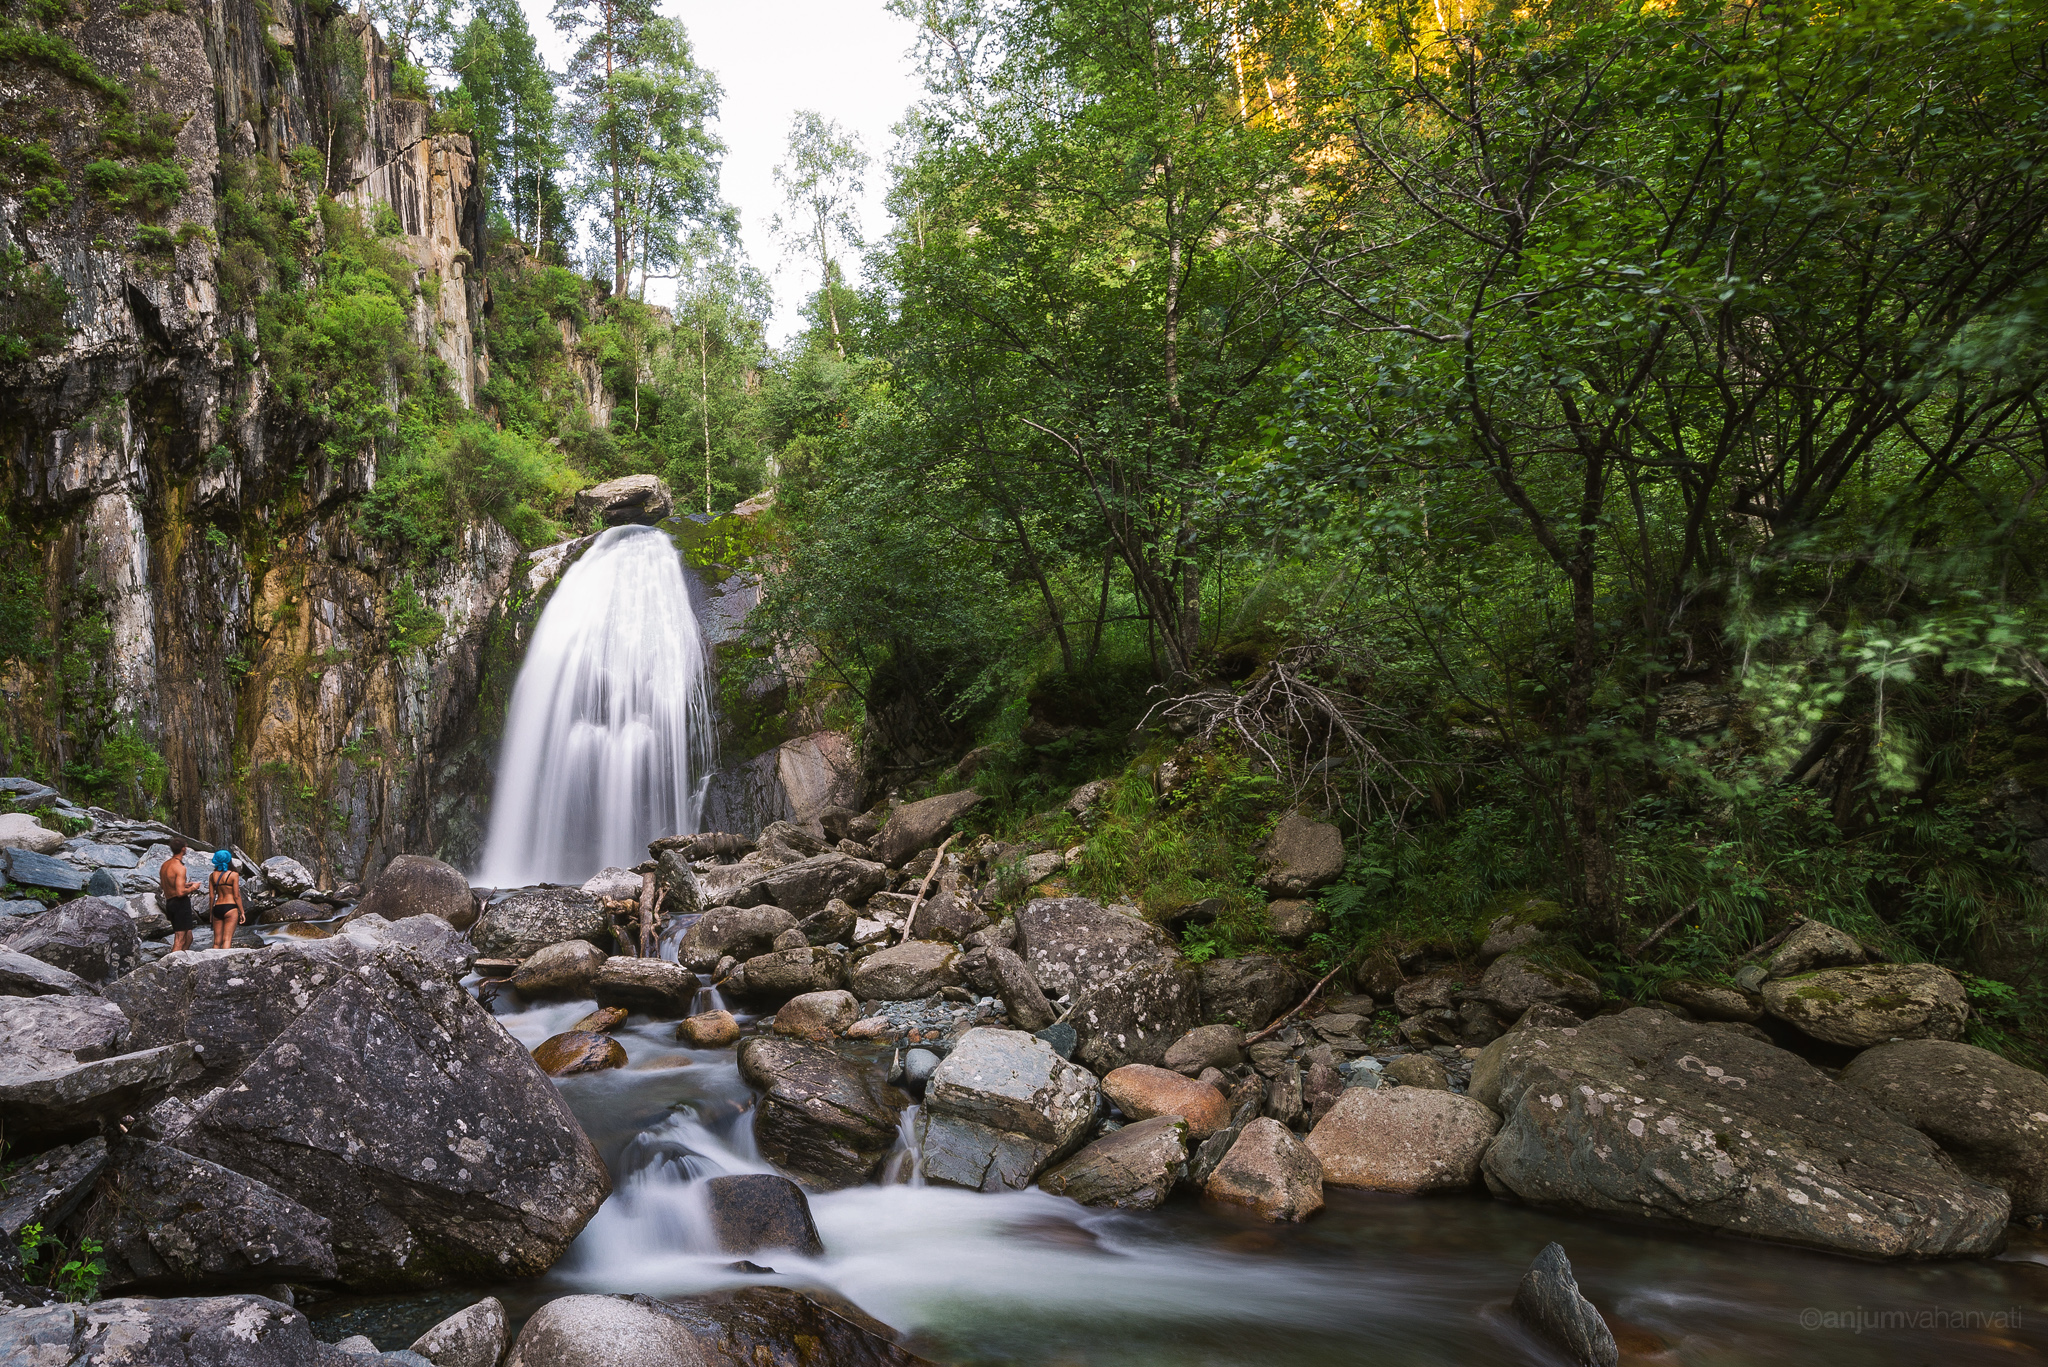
[[183, 545]]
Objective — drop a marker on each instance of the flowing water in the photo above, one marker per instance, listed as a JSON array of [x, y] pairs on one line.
[[1026, 1278], [608, 739]]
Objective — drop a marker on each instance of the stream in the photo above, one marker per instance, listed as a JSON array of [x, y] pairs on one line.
[[1026, 1278]]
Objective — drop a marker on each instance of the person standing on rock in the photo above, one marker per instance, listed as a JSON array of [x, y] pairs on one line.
[[225, 887], [177, 888]]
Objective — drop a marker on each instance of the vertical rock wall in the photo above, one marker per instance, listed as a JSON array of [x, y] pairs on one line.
[[200, 586]]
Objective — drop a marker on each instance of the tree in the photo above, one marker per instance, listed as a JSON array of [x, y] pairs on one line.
[[663, 103], [418, 31], [722, 306], [606, 34], [820, 180], [517, 126]]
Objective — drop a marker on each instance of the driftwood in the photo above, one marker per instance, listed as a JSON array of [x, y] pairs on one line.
[[646, 911], [1661, 931], [1342, 964], [1775, 940], [923, 888]]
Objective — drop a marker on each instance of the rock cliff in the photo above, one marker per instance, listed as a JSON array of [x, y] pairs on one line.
[[188, 578]]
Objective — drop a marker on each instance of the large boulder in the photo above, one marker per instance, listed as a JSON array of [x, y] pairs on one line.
[[803, 888], [429, 938], [1300, 856], [781, 1325], [416, 885], [471, 1337], [287, 876], [789, 973], [21, 976], [1000, 1108], [521, 924], [907, 972], [824, 1119], [1269, 1172], [360, 1081], [170, 1220], [949, 913], [21, 831], [1134, 1168], [915, 826], [1989, 1115], [1247, 992], [614, 884], [1643, 1114], [998, 972], [1872, 1003], [562, 970], [1407, 1139], [1516, 982], [676, 888], [1141, 1092], [630, 500], [67, 1065], [736, 932], [207, 1331], [92, 939], [652, 985], [1206, 1046], [609, 1331], [831, 926], [42, 871], [1071, 942], [755, 1211], [1134, 1016]]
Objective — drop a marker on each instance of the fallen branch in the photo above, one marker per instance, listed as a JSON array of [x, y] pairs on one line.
[[1775, 940], [923, 888], [1661, 931], [1341, 966]]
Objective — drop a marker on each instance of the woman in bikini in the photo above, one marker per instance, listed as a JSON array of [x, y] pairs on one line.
[[224, 887]]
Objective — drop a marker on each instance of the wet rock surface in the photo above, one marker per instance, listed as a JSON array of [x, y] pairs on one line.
[[1988, 1114], [1000, 1108], [1548, 1300], [761, 1211], [578, 1051], [823, 1119]]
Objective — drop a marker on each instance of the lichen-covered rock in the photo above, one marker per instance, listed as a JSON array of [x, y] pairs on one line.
[[1269, 1172], [21, 976], [1872, 1003], [363, 1083], [833, 925], [906, 972], [1300, 856], [1134, 1016], [521, 924], [472, 1337], [631, 500], [1643, 1114], [418, 885], [1988, 1114], [1000, 1108], [289, 877], [787, 973], [87, 937], [1070, 943], [1548, 1301], [172, 1221], [208, 1331], [823, 1119], [1293, 920], [67, 1065], [1407, 1139], [1134, 1168], [741, 932], [45, 1188], [997, 971]]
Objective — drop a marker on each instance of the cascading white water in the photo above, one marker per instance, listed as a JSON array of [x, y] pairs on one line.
[[608, 739]]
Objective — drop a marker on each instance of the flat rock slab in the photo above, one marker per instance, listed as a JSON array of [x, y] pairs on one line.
[[45, 1189], [1643, 1114], [22, 976], [41, 871]]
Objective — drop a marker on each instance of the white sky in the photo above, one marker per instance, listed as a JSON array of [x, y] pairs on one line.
[[847, 59]]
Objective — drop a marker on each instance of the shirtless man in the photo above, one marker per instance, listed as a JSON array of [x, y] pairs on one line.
[[177, 889]]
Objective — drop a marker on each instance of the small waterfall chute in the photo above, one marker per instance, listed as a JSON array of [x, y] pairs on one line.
[[608, 740]]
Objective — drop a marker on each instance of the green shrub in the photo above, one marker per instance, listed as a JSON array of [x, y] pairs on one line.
[[32, 304]]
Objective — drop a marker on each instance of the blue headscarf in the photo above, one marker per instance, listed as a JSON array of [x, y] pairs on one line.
[[222, 859]]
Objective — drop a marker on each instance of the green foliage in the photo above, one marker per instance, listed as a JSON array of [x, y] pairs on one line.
[[35, 168], [32, 305], [414, 625], [436, 481], [53, 52], [126, 773], [74, 1276]]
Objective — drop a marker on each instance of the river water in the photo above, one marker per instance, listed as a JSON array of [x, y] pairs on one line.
[[1026, 1278]]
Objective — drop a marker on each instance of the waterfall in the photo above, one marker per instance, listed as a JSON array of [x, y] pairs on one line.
[[608, 740]]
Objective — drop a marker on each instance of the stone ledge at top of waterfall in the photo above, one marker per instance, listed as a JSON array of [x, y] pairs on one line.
[[610, 735]]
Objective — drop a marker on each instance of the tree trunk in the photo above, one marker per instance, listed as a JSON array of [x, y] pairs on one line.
[[704, 402]]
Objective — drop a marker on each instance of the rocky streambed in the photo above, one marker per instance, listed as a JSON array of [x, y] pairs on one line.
[[1019, 1130]]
